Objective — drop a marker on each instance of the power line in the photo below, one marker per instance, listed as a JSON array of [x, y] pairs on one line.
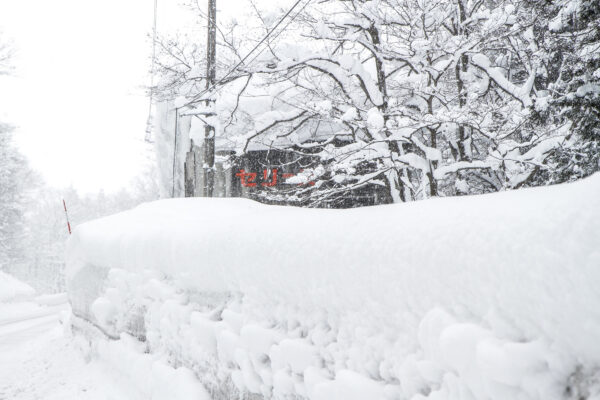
[[281, 31], [253, 49]]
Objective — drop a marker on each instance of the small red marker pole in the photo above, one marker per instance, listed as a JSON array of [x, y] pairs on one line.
[[67, 216]]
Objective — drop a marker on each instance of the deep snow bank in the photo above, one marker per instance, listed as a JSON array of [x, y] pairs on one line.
[[476, 297]]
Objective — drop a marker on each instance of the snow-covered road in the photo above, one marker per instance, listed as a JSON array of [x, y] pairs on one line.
[[40, 360]]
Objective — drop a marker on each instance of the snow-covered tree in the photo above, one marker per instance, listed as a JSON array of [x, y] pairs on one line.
[[418, 98], [571, 81], [45, 228], [6, 54], [430, 97], [14, 174]]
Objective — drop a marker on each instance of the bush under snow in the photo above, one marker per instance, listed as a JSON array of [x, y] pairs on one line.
[[485, 297]]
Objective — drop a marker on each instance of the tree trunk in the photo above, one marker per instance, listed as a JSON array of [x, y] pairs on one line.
[[461, 66], [395, 184]]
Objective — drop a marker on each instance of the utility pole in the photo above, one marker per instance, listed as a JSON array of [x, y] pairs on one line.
[[209, 131], [149, 122], [192, 178]]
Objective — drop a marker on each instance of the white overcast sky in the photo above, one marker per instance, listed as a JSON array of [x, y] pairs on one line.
[[77, 97]]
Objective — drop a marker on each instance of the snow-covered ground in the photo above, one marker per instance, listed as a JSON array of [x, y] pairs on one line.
[[477, 298], [483, 297], [40, 359]]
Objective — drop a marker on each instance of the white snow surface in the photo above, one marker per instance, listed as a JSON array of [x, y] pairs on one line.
[[40, 358], [483, 297], [11, 289]]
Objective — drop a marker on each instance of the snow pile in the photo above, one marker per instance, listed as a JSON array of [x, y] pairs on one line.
[[11, 289], [487, 297], [157, 380], [41, 360]]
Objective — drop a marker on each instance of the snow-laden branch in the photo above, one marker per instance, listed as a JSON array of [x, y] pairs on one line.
[[521, 93], [441, 172], [270, 120]]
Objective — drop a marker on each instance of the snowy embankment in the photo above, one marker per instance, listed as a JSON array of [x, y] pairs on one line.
[[39, 359], [485, 297], [19, 303]]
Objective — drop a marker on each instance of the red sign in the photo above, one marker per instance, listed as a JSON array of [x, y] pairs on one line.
[[269, 178]]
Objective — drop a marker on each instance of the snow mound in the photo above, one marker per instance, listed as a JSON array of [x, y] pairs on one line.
[[484, 297], [156, 380], [13, 290]]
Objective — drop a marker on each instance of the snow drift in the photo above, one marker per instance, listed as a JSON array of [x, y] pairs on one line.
[[493, 296]]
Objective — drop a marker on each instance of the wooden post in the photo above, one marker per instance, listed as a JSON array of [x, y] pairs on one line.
[[209, 131], [189, 171], [200, 179]]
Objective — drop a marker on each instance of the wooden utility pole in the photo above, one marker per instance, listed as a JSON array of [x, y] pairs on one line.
[[196, 183], [209, 131]]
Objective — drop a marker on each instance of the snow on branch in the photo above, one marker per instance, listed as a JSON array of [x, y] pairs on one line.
[[441, 172], [521, 93], [270, 120]]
